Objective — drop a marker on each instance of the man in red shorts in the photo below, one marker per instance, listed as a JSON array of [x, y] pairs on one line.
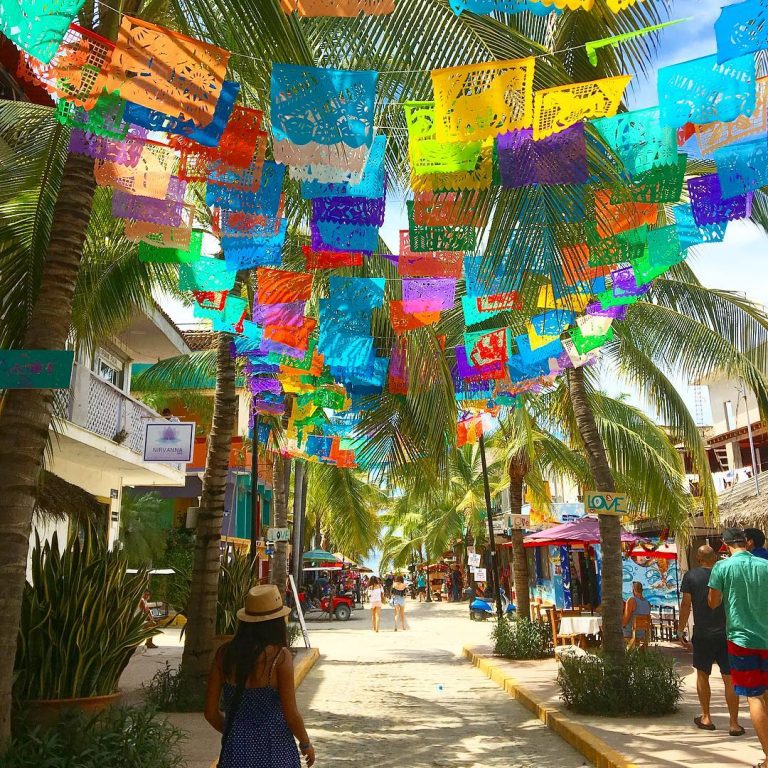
[[740, 584]]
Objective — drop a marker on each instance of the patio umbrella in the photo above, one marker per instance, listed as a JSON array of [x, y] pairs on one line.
[[665, 551], [344, 559], [320, 555], [585, 530]]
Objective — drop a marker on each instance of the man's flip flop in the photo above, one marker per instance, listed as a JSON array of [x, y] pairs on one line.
[[736, 732], [699, 724]]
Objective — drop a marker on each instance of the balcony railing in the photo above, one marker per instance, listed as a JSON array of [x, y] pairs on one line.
[[105, 410]]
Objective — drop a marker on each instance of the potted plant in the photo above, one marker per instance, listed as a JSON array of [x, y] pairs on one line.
[[80, 625]]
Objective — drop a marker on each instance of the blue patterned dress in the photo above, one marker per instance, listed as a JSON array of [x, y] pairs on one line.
[[260, 736]]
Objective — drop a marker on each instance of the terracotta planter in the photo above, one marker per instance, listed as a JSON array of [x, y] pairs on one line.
[[47, 712]]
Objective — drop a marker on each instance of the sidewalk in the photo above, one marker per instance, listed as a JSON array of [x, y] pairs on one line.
[[645, 742]]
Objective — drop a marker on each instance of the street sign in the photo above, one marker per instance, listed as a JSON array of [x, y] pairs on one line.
[[35, 368], [474, 560], [279, 534], [481, 574], [605, 503]]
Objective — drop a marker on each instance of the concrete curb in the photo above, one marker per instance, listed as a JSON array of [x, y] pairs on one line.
[[580, 738], [305, 659]]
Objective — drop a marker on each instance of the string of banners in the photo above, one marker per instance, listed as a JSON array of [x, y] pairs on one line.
[[155, 112]]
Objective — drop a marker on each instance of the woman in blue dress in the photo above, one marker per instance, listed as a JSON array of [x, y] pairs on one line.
[[252, 679]]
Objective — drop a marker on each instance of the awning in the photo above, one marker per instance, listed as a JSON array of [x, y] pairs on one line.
[[320, 555], [665, 551], [585, 530]]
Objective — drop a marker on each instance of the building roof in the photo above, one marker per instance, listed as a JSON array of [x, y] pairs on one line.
[[743, 507], [199, 339]]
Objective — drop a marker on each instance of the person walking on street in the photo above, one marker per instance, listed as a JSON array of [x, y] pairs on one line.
[[253, 677], [709, 643], [740, 584], [399, 591], [421, 586], [389, 580], [457, 583], [376, 599], [150, 619], [756, 542]]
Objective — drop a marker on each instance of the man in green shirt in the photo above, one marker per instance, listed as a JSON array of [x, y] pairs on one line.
[[740, 584]]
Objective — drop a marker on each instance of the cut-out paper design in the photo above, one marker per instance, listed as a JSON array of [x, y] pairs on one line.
[[161, 235], [487, 347], [422, 239], [623, 284], [105, 118], [349, 210], [621, 216], [555, 109], [121, 151], [598, 325], [639, 139], [357, 292], [327, 113], [426, 152], [428, 263], [710, 207], [226, 175], [530, 356], [127, 206], [277, 286], [625, 246], [250, 252], [704, 91], [576, 269], [479, 177], [714, 135], [428, 294], [663, 184], [206, 274], [291, 336], [150, 177], [330, 259], [663, 252], [288, 315], [585, 344], [340, 8], [592, 47], [552, 322], [231, 319], [557, 159], [480, 308], [486, 7], [371, 183], [742, 28], [208, 136], [167, 71], [264, 201], [330, 236], [38, 26], [477, 101], [248, 225], [443, 209], [690, 234], [468, 371], [152, 253], [210, 299], [481, 280], [77, 71], [242, 138], [742, 167]]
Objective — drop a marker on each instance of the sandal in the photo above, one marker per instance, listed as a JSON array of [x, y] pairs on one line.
[[699, 724], [736, 731]]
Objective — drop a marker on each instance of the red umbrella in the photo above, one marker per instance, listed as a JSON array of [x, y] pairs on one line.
[[585, 530], [665, 551]]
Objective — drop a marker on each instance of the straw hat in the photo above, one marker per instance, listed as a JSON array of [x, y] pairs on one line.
[[263, 603]]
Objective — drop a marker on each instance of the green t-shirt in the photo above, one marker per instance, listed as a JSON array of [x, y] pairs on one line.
[[743, 580]]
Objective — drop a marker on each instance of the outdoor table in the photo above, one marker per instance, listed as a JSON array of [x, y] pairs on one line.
[[580, 625]]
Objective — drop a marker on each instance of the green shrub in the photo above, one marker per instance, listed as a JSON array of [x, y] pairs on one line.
[[294, 633], [236, 577], [168, 692], [117, 738], [643, 683], [522, 639]]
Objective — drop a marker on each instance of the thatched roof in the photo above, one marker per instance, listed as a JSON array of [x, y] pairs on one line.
[[61, 500], [743, 507]]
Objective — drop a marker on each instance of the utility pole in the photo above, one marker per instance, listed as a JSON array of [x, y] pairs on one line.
[[298, 522], [255, 498], [495, 582], [753, 455]]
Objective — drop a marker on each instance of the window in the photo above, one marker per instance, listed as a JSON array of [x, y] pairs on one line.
[[108, 367], [730, 421]]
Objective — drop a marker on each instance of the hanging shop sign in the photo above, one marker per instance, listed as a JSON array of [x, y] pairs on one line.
[[35, 368], [517, 522], [481, 574], [279, 534], [605, 503], [473, 560], [169, 441]]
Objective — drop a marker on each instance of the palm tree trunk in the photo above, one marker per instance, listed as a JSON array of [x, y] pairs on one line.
[[519, 556], [201, 618], [610, 525], [281, 469], [25, 416]]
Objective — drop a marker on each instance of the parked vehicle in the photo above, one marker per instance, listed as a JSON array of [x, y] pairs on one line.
[[482, 608]]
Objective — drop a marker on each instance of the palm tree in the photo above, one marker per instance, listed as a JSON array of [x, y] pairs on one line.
[[141, 540]]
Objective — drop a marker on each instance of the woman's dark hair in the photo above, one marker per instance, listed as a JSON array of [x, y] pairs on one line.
[[249, 642], [374, 581], [399, 579]]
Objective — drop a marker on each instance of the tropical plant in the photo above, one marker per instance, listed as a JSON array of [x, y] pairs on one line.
[[521, 638], [142, 541], [80, 620], [236, 576]]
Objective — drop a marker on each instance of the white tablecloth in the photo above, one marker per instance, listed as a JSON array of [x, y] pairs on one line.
[[580, 625]]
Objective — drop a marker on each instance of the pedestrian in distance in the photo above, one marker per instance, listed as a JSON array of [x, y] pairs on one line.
[[253, 676], [389, 580], [756, 542], [376, 599], [457, 583], [740, 584], [399, 590], [150, 619], [421, 586], [708, 642]]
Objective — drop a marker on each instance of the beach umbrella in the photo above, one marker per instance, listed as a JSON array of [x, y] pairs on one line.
[[320, 555], [585, 530]]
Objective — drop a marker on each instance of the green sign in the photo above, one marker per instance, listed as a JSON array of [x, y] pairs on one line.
[[605, 503], [35, 368]]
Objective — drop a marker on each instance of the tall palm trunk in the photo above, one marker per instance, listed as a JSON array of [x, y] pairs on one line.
[[26, 413], [610, 526], [281, 474], [517, 471], [201, 617]]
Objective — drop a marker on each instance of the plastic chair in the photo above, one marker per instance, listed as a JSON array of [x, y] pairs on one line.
[[640, 624]]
